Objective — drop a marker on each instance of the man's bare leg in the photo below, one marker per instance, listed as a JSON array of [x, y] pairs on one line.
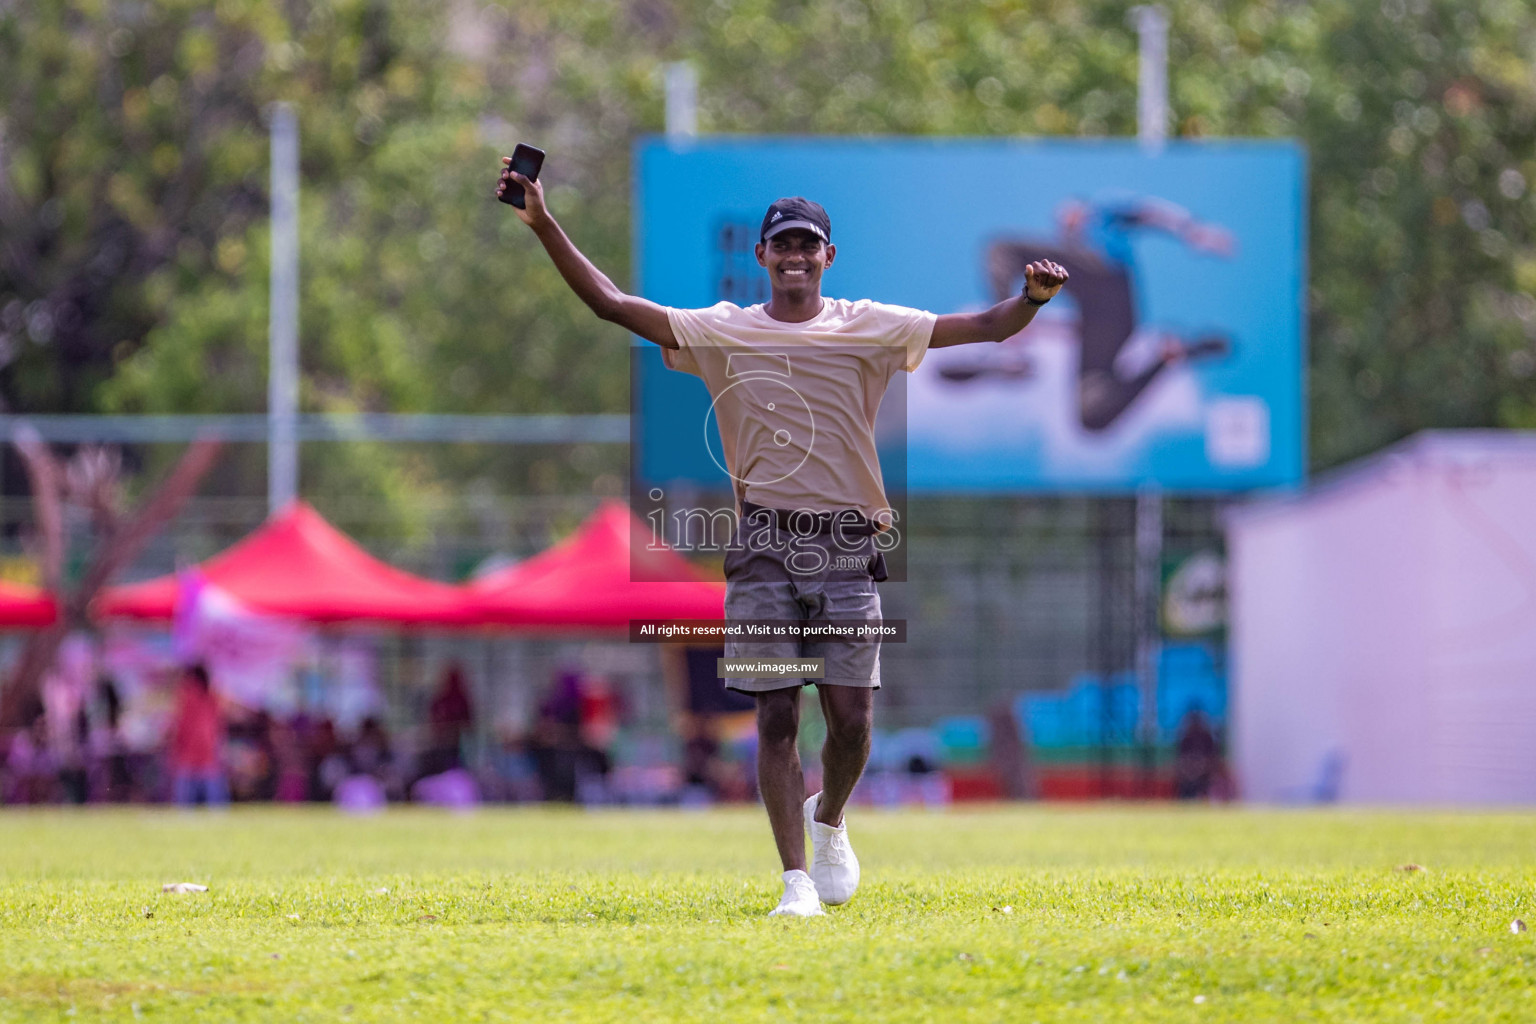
[[849, 714], [779, 777]]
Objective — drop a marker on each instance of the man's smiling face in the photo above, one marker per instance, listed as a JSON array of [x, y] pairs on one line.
[[795, 260]]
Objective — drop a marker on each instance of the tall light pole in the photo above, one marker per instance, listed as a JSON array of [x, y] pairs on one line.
[[1151, 75], [283, 323], [682, 84], [1152, 130]]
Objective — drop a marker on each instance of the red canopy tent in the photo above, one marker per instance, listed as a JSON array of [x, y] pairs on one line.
[[22, 606], [300, 566], [585, 581]]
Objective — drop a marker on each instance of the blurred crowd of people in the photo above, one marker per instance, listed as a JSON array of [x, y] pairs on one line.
[[214, 751]]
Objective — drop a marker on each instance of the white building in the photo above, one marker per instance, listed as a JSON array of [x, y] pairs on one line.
[[1384, 628]]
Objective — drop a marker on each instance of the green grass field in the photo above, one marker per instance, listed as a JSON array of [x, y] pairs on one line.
[[1135, 914]]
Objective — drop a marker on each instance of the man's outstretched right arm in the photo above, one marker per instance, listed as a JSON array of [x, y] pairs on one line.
[[592, 286]]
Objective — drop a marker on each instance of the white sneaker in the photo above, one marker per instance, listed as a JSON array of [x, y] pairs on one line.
[[834, 868], [799, 897]]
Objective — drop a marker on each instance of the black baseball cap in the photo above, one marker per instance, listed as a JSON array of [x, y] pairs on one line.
[[797, 212]]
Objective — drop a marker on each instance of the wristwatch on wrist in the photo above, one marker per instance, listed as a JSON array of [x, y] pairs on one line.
[[1032, 300]]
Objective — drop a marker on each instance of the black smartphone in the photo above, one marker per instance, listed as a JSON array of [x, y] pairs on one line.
[[526, 160]]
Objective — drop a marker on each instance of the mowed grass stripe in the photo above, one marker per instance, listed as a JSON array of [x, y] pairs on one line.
[[1019, 913]]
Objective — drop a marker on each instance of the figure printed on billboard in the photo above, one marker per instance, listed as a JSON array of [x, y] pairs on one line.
[[1094, 247]]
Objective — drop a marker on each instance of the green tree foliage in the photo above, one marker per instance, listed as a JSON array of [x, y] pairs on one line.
[[1420, 118], [133, 199], [133, 241], [135, 160]]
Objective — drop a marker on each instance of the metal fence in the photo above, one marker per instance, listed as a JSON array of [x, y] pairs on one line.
[[1005, 595]]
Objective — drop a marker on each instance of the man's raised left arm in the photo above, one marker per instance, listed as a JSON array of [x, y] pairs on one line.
[[1042, 280]]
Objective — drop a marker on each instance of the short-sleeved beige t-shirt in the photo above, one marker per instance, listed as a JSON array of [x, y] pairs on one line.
[[795, 403]]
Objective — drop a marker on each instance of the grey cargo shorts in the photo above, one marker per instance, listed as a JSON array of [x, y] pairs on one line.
[[774, 574]]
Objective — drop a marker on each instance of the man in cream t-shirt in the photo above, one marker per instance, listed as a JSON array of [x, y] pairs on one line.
[[796, 383], [796, 402]]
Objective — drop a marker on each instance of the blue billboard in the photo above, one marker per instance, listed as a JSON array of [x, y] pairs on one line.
[[1174, 356]]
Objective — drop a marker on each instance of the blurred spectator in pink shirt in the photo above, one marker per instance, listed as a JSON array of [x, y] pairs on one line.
[[197, 743]]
